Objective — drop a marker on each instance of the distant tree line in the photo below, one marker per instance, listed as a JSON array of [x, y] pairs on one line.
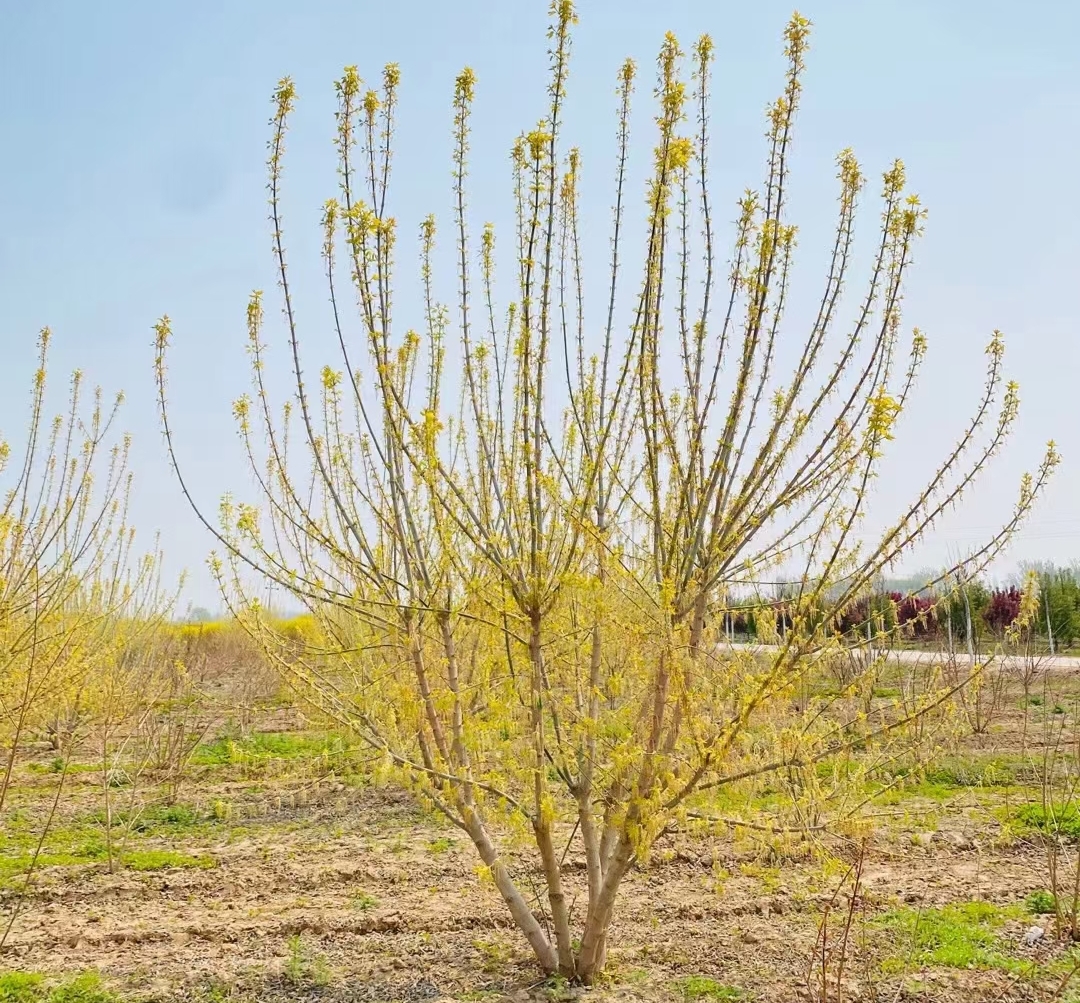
[[933, 616]]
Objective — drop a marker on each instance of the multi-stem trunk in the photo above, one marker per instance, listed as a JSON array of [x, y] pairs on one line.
[[511, 895], [618, 850], [542, 809], [593, 953]]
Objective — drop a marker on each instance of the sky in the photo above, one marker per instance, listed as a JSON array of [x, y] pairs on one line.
[[133, 185]]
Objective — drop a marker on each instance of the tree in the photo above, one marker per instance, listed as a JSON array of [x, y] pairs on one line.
[[1059, 617], [72, 592], [516, 597]]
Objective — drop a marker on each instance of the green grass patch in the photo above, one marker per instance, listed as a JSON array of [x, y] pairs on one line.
[[941, 780], [1040, 903], [82, 842], [13, 868], [267, 746], [989, 772], [29, 987], [156, 820], [964, 935], [1053, 820], [701, 987], [58, 765], [21, 987]]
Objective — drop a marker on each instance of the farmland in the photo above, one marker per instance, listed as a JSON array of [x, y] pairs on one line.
[[280, 867], [595, 679]]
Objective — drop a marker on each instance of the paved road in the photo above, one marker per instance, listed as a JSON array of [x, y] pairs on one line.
[[1065, 663]]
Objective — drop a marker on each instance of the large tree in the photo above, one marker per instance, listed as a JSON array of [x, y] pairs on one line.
[[518, 563]]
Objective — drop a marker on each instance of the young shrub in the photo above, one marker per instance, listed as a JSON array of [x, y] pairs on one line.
[[516, 598], [73, 594]]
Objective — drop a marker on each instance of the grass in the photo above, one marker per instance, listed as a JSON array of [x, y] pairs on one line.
[[12, 868], [984, 775], [994, 771], [82, 843], [988, 777], [58, 765], [1056, 820], [156, 820], [301, 968], [963, 935], [29, 987], [1040, 903], [20, 987], [701, 987], [265, 746]]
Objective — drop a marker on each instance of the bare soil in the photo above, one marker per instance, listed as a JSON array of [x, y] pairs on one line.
[[327, 887]]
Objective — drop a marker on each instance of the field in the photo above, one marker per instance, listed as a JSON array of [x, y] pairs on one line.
[[275, 868]]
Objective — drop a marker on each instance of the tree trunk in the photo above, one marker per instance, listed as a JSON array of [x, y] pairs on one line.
[[515, 901], [593, 953], [560, 913]]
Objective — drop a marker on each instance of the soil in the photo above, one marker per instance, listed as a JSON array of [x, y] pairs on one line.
[[327, 887]]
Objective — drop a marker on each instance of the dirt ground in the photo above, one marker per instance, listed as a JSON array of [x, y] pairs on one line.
[[287, 876]]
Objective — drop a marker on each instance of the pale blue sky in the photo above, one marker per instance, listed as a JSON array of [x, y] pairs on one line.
[[132, 185]]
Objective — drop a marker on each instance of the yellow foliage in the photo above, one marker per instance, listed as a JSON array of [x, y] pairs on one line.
[[517, 595]]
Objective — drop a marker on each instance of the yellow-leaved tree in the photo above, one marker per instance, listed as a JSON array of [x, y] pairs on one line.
[[74, 597], [520, 562]]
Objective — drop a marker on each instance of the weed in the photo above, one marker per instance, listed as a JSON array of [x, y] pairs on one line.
[[266, 746], [85, 988], [701, 987], [1059, 820], [29, 987], [1040, 902], [963, 935], [294, 963], [172, 817], [320, 971], [557, 988], [300, 969], [442, 844], [363, 901], [768, 876], [20, 987], [162, 819], [215, 991], [495, 953], [995, 772]]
